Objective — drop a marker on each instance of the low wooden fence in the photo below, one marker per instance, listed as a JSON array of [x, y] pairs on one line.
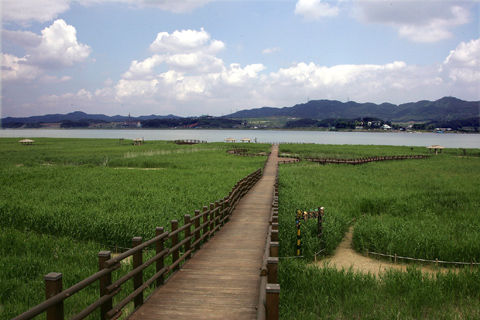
[[189, 141], [205, 224], [245, 153], [290, 160], [364, 160], [269, 299], [395, 258]]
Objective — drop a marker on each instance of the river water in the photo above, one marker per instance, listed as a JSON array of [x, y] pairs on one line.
[[448, 140]]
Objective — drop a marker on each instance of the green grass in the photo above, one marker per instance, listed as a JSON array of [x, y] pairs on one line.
[[425, 209], [64, 200], [309, 292]]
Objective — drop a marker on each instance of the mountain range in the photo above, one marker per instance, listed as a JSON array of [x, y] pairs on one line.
[[79, 115], [444, 109]]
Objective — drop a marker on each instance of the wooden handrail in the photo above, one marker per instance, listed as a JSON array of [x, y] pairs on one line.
[[213, 219], [268, 301], [42, 307]]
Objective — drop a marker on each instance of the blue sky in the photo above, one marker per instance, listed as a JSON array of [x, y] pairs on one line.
[[194, 57]]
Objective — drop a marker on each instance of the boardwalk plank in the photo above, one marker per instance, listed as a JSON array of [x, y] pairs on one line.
[[222, 280]]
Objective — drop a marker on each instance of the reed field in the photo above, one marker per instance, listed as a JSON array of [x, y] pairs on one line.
[[64, 200], [422, 208]]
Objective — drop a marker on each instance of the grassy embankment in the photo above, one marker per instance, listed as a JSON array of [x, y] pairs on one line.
[[415, 208], [64, 200]]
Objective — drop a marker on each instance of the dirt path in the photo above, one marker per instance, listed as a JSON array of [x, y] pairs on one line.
[[345, 257]]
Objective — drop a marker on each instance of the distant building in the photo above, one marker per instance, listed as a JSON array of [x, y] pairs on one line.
[[386, 127]]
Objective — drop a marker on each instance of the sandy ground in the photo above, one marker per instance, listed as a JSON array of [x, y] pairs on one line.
[[345, 257]]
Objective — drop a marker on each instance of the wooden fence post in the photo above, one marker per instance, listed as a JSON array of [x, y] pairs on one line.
[[138, 278], [217, 213], [225, 210], [274, 236], [205, 227], [212, 214], [53, 286], [272, 267], [176, 252], [104, 281], [274, 249], [186, 220], [160, 263], [273, 299], [321, 212], [197, 232]]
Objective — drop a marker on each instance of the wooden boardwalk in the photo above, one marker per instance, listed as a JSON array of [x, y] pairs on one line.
[[222, 280]]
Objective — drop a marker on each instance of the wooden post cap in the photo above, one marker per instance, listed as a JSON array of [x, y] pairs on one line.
[[272, 260], [53, 276], [104, 254], [273, 288]]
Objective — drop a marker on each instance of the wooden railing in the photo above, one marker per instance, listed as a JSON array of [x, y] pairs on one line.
[[268, 304], [245, 153], [205, 224], [364, 160], [189, 141]]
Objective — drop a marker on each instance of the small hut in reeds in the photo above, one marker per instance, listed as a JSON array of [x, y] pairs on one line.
[[435, 147], [26, 142]]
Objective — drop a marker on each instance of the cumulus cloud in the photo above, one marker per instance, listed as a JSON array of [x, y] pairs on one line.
[[186, 41], [185, 69], [385, 82], [57, 47], [419, 21], [463, 63], [315, 9], [144, 69]]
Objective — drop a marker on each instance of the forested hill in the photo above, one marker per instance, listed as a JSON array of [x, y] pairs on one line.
[[445, 109]]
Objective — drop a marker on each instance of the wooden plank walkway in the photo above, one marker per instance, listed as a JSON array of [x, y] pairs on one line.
[[222, 280]]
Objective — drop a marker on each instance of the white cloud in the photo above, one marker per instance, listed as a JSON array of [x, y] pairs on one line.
[[463, 63], [197, 62], [315, 9], [22, 38], [54, 79], [15, 69], [56, 48], [176, 6], [419, 21], [271, 50], [28, 11], [25, 12], [385, 82], [185, 41], [59, 47], [144, 69]]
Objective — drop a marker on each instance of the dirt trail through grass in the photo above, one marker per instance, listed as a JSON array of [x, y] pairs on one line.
[[345, 257]]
